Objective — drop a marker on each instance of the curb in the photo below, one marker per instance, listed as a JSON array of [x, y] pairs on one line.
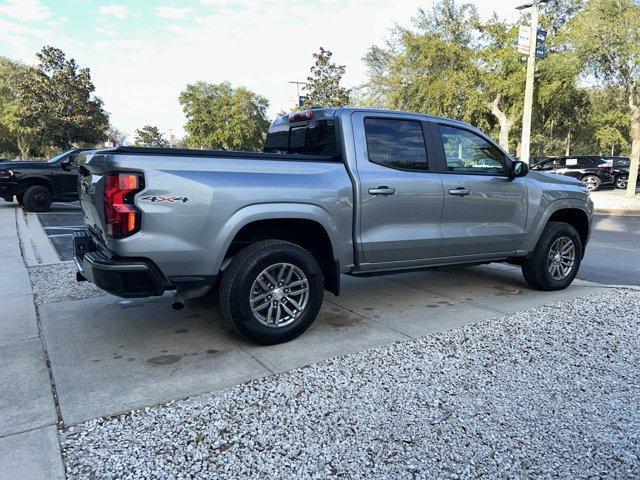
[[618, 212]]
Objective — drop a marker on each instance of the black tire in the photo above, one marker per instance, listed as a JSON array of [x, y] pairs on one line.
[[37, 198], [238, 281], [592, 182], [621, 182], [20, 199], [536, 269]]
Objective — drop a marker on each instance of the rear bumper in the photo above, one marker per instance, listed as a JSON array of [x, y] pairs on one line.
[[124, 277]]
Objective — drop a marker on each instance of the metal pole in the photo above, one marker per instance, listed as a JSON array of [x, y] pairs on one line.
[[528, 91]]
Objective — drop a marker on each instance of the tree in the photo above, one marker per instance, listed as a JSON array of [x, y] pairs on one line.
[[606, 34], [323, 87], [503, 75], [431, 69], [150, 136], [9, 73], [115, 136], [55, 105], [222, 117]]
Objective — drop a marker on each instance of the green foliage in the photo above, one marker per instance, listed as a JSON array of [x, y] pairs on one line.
[[53, 105], [9, 72], [222, 117], [323, 87], [606, 35], [431, 68], [150, 136]]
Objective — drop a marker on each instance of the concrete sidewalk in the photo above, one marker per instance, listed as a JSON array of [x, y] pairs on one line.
[[29, 447]]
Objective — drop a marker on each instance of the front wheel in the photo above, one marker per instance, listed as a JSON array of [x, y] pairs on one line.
[[592, 182], [272, 291], [37, 198], [555, 261], [621, 183]]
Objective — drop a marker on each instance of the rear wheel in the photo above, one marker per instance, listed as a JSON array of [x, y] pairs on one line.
[[37, 198], [272, 291], [592, 182], [555, 261], [621, 183]]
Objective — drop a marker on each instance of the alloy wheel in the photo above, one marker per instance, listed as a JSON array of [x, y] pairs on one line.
[[279, 295], [590, 182], [561, 258], [621, 182]]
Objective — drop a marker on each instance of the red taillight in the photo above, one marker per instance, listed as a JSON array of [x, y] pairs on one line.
[[301, 116], [121, 216]]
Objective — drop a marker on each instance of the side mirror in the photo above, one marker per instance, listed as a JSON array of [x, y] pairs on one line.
[[518, 169], [66, 164]]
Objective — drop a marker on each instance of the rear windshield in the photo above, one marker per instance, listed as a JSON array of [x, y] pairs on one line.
[[317, 137]]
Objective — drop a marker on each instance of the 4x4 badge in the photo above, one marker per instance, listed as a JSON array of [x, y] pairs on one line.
[[164, 199]]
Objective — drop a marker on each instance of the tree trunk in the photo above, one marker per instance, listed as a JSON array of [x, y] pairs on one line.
[[567, 149], [635, 144], [25, 148], [505, 122]]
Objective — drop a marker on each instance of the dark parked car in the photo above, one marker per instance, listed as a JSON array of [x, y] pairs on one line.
[[36, 184], [592, 171], [620, 166]]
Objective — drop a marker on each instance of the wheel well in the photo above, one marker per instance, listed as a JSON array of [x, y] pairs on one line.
[[577, 219], [308, 234], [30, 182]]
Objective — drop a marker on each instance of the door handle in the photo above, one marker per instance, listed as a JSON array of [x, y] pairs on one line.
[[460, 192], [383, 190]]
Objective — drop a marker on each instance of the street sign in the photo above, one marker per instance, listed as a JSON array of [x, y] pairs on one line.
[[541, 39], [524, 39]]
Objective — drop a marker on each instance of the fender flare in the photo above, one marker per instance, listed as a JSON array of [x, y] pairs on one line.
[[272, 211], [542, 217]]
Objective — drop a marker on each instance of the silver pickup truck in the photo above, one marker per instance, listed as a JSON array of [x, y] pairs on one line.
[[335, 191]]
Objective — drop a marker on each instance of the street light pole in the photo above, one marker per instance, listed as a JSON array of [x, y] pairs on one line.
[[525, 143], [297, 84]]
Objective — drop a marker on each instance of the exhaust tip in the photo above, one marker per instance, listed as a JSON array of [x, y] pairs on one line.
[[177, 305]]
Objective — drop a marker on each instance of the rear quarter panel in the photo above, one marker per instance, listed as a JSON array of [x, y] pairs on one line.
[[193, 206]]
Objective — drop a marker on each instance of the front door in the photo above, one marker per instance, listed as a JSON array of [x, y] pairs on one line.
[[401, 194], [485, 211]]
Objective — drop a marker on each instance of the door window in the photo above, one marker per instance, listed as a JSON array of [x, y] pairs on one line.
[[396, 143], [467, 152]]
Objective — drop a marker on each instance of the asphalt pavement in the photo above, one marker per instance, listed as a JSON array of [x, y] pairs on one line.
[[613, 254], [612, 258], [59, 223]]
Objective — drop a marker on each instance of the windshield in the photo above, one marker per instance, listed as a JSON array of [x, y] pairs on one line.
[[59, 157]]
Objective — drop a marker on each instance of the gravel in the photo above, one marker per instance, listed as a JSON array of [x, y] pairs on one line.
[[550, 392], [57, 283]]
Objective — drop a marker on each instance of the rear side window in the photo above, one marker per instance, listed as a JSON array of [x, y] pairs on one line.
[[396, 143], [313, 138]]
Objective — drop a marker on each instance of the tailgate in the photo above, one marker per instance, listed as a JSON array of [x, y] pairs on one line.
[[91, 191]]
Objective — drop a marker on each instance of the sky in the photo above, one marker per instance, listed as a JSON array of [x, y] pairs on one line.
[[143, 53]]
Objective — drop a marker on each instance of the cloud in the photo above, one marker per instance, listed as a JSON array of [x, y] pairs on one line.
[[174, 13], [119, 11], [25, 10], [106, 32]]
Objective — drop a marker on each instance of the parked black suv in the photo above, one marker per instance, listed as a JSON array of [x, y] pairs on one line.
[[621, 167], [37, 184], [593, 171]]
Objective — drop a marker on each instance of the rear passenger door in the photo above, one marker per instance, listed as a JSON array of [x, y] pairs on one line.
[[485, 211], [400, 194]]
